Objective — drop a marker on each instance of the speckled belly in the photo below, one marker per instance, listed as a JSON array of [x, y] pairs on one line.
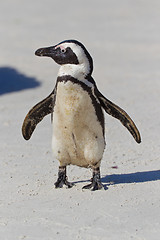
[[77, 134]]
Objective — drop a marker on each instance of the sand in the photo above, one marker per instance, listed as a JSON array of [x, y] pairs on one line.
[[123, 38]]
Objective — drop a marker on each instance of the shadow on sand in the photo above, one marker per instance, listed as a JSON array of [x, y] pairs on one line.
[[138, 177], [12, 81]]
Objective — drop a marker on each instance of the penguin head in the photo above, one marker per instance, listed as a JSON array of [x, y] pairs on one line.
[[68, 52]]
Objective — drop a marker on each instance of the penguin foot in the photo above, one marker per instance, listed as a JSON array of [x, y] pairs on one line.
[[94, 185], [95, 181], [62, 179], [59, 183]]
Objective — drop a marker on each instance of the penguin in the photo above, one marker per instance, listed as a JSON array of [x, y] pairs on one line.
[[77, 108]]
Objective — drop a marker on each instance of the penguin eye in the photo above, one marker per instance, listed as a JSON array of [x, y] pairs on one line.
[[63, 50]]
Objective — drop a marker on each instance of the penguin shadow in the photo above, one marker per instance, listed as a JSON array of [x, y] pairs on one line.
[[137, 177], [12, 81]]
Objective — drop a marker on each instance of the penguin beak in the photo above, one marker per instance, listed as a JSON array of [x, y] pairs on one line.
[[46, 52]]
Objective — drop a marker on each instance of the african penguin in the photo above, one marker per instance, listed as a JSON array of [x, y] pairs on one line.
[[77, 107]]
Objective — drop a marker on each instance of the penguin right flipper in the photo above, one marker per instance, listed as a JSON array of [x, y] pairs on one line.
[[117, 112], [36, 114]]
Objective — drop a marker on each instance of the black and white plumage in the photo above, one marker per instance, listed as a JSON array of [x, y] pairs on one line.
[[77, 108]]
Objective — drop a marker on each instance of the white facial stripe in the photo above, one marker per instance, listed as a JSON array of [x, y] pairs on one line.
[[60, 46], [79, 52], [79, 71], [57, 46]]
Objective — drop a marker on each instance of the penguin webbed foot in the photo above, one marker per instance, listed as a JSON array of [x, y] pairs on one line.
[[95, 181], [60, 182], [62, 179], [94, 185]]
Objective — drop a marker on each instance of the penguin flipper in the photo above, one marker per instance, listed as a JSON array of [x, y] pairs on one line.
[[117, 112], [36, 114]]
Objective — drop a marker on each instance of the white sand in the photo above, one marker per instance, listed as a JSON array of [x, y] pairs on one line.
[[124, 39]]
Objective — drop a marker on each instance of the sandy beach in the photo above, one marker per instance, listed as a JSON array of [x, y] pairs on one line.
[[123, 37]]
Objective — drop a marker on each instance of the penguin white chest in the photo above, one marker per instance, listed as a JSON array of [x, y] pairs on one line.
[[77, 134]]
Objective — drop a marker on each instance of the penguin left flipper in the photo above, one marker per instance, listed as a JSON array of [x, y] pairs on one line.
[[36, 114], [117, 112]]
